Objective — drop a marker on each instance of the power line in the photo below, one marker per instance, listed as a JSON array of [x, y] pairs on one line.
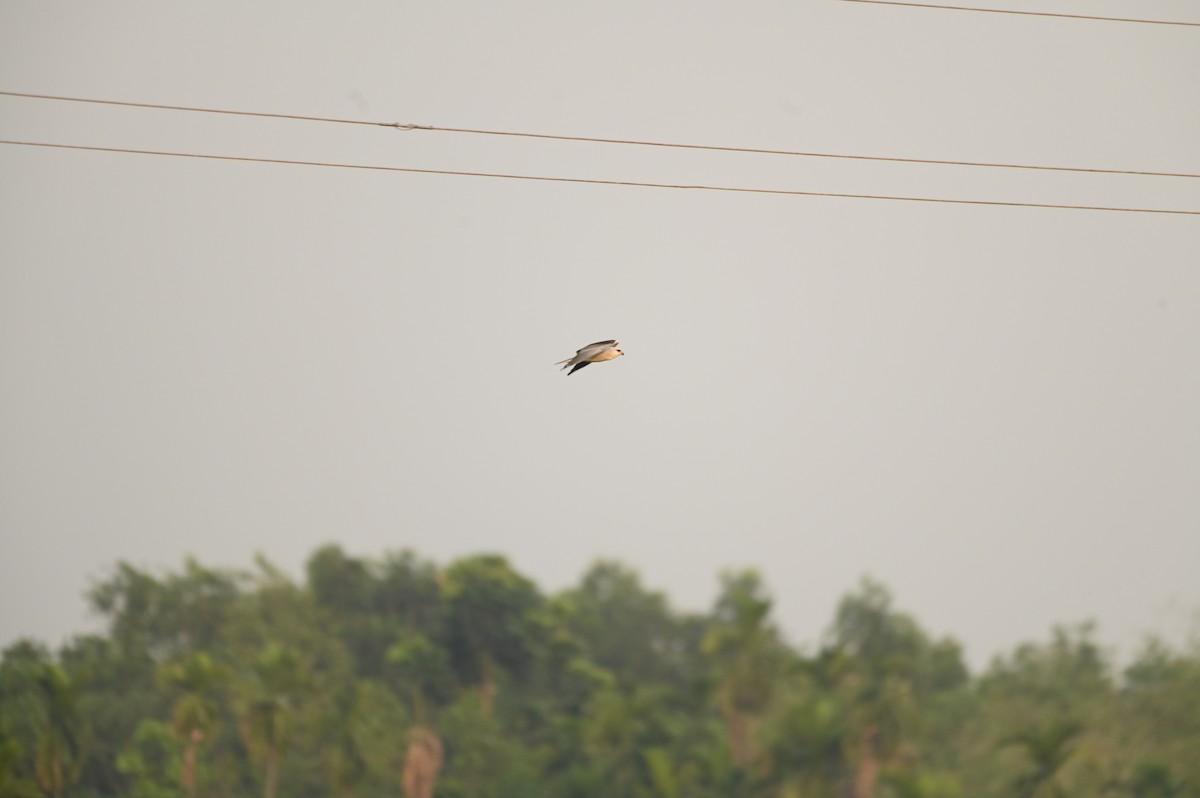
[[505, 176], [1024, 13], [803, 154], [598, 140], [162, 107]]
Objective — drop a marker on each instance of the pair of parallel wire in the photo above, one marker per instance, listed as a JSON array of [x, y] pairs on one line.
[[632, 142]]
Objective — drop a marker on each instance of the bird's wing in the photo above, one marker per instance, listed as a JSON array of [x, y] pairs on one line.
[[590, 353], [598, 343], [578, 366]]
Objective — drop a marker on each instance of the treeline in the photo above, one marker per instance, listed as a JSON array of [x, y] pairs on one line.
[[397, 677]]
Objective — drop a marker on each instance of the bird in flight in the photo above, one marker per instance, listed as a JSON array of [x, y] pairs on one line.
[[592, 353]]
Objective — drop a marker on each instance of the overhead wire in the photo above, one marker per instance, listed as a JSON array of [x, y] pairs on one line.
[[1023, 13], [596, 139], [592, 181]]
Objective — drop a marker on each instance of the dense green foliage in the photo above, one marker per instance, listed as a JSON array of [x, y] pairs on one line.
[[397, 677]]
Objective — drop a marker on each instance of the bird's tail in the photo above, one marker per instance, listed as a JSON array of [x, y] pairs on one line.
[[559, 363]]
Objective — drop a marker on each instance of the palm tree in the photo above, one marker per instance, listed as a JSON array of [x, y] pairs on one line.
[[195, 712], [746, 651], [1049, 749], [877, 658], [268, 712], [58, 752], [492, 621]]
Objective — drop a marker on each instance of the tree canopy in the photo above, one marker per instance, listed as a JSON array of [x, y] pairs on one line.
[[394, 676]]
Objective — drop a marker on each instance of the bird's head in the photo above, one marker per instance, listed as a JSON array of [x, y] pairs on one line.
[[619, 352]]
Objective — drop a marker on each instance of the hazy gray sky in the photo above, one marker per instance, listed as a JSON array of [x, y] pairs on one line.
[[992, 410]]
